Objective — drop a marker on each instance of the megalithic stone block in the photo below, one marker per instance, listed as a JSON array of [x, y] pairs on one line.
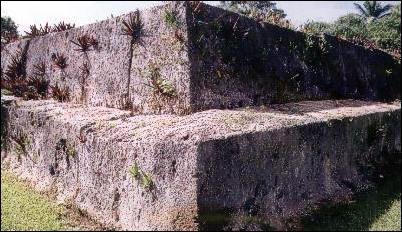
[[191, 57], [208, 170]]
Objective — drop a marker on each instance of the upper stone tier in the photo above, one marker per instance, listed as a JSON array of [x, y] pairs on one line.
[[187, 57]]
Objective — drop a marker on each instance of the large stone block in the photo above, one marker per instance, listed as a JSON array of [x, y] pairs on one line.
[[191, 57], [165, 172], [240, 62]]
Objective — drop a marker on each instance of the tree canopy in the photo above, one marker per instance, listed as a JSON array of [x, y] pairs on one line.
[[373, 10], [265, 11], [8, 29]]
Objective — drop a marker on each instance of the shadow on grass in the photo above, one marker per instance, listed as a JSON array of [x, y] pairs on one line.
[[361, 213]]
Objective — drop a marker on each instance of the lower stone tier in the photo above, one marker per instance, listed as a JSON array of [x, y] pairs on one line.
[[167, 172]]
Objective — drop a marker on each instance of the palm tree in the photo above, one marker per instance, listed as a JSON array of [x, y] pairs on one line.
[[373, 10]]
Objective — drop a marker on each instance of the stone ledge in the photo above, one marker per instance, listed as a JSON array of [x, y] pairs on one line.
[[283, 159]]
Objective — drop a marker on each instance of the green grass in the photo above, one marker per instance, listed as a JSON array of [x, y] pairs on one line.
[[377, 209], [24, 209]]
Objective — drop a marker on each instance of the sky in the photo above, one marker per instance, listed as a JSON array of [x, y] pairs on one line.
[[85, 12]]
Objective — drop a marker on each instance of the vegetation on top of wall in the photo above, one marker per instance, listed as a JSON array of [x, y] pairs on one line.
[[9, 32], [62, 26], [134, 27], [261, 11], [35, 31], [365, 29]]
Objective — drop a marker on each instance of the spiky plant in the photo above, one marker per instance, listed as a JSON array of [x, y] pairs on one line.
[[40, 84], [14, 78], [373, 10], [34, 32], [61, 26], [39, 69], [59, 60], [82, 43], [61, 94], [94, 42], [38, 80], [45, 29], [85, 42], [133, 27]]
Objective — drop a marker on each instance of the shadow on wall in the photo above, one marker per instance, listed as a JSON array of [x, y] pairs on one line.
[[361, 213]]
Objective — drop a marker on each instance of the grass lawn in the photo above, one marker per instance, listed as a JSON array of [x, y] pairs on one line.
[[378, 209], [24, 209]]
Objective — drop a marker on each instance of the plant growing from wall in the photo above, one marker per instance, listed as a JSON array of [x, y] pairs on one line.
[[59, 60], [38, 80], [158, 84], [85, 43], [145, 180], [61, 94], [82, 43], [14, 78], [172, 18], [135, 171], [71, 152], [133, 27], [85, 71]]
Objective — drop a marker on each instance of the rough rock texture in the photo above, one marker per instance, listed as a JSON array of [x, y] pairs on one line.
[[162, 47], [10, 50], [268, 163], [202, 57], [239, 62], [106, 84], [119, 67]]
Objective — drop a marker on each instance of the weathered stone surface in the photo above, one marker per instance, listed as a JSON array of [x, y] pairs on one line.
[[10, 50], [209, 58], [164, 47], [269, 163], [239, 62], [106, 84]]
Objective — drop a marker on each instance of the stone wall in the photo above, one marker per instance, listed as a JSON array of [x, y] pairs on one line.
[[202, 57], [85, 156], [119, 67], [275, 177], [240, 62], [271, 164]]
